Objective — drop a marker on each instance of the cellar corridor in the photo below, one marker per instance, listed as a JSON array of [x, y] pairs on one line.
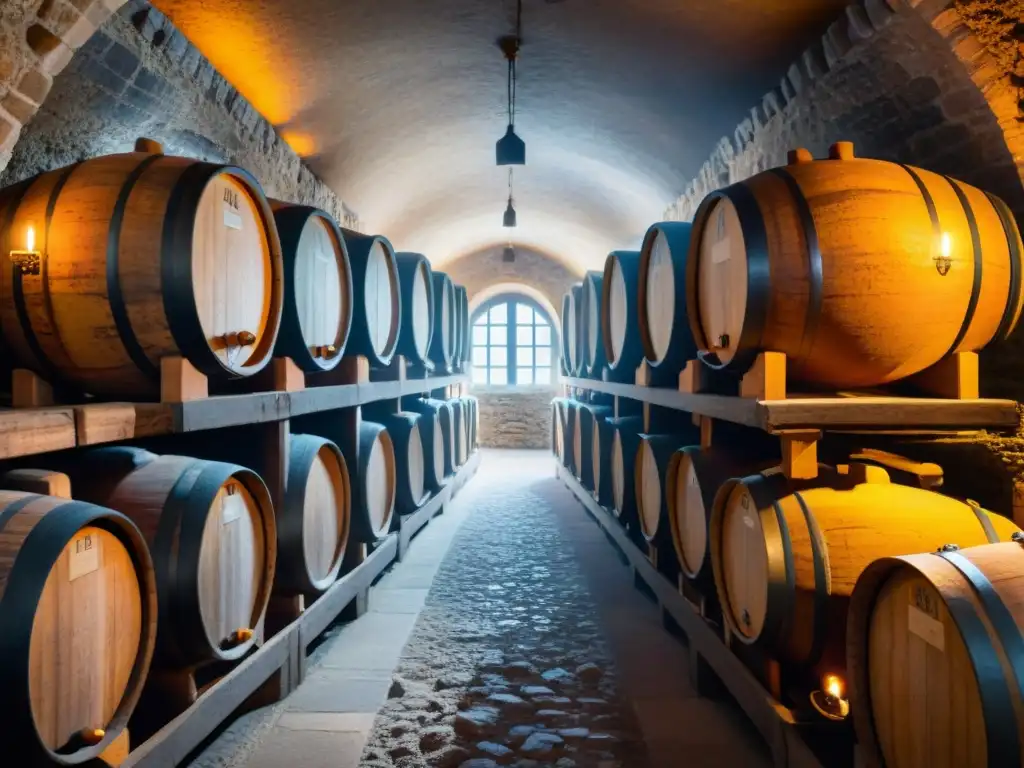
[[529, 647]]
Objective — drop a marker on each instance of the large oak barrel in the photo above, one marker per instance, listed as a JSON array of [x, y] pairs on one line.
[[593, 339], [571, 414], [210, 527], [665, 334], [780, 262], [602, 437], [77, 627], [786, 554], [625, 446], [459, 417], [143, 257], [567, 338], [374, 490], [417, 286], [442, 343], [558, 427], [935, 656], [410, 464], [377, 298], [462, 319], [433, 450], [313, 524], [446, 425], [694, 476], [619, 326], [317, 313], [474, 422], [583, 440], [651, 472]]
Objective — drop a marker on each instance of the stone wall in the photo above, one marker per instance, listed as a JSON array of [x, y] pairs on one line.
[[903, 83], [511, 418], [136, 75]]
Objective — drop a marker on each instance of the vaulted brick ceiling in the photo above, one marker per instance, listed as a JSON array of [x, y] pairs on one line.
[[397, 104]]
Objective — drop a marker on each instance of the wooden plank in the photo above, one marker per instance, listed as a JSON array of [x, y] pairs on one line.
[[169, 746], [777, 724], [99, 423], [24, 431], [847, 412], [316, 399], [231, 411], [317, 617]]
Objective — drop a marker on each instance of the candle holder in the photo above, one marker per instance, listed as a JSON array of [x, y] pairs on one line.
[[27, 262], [829, 701]]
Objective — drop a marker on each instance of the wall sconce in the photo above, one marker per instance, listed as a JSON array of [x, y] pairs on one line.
[[830, 701], [29, 260], [944, 260]]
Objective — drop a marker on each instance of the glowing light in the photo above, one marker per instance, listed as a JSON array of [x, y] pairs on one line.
[[946, 245], [30, 239], [302, 144], [833, 686]]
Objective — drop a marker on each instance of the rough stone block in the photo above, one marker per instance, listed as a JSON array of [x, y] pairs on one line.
[[859, 26], [103, 77], [878, 12], [10, 129], [794, 78], [772, 102], [35, 85], [786, 89], [139, 99], [19, 107], [838, 35], [814, 61], [147, 81]]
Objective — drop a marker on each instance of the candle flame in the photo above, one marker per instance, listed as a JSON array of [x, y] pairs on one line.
[[833, 686], [30, 239], [946, 245]]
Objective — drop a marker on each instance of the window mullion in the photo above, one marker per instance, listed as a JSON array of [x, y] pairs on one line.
[[510, 342]]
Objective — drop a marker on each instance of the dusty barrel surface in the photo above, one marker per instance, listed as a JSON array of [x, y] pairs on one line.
[[317, 312], [410, 465], [777, 262], [941, 630], [593, 359], [377, 298], [665, 334], [313, 524], [77, 626], [417, 290], [375, 486], [442, 343], [211, 531], [786, 554], [619, 327], [141, 257]]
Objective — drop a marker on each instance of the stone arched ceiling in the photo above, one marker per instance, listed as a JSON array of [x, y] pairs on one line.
[[397, 104]]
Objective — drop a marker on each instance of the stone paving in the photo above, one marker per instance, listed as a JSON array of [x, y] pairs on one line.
[[510, 636]]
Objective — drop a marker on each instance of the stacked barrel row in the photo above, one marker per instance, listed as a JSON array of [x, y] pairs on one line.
[[823, 576], [777, 263], [182, 258], [169, 561]]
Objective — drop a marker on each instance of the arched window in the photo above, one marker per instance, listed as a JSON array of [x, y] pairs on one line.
[[513, 342]]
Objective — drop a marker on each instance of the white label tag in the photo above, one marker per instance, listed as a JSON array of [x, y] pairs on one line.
[[721, 251], [928, 629], [232, 220], [232, 510], [85, 556], [749, 522]]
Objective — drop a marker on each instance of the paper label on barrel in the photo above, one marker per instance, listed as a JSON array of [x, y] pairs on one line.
[[928, 629], [85, 556], [721, 251], [232, 220], [232, 511]]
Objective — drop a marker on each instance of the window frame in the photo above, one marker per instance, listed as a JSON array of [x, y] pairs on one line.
[[512, 326]]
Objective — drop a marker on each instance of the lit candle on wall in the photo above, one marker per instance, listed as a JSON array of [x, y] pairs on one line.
[[946, 245], [30, 239]]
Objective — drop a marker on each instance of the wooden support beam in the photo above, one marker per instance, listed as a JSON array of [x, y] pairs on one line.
[[766, 380], [800, 454], [180, 381], [28, 390]]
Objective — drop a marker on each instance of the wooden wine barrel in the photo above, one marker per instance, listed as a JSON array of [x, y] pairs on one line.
[[474, 423], [446, 426], [176, 257], [694, 476], [567, 338], [557, 426], [651, 472], [625, 446], [601, 455], [442, 343], [571, 414], [313, 523], [377, 298], [410, 464], [462, 320], [317, 313], [935, 654], [665, 334], [777, 262], [77, 627], [211, 530], [417, 288], [433, 450], [786, 554], [619, 326], [593, 340], [583, 440], [375, 487]]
